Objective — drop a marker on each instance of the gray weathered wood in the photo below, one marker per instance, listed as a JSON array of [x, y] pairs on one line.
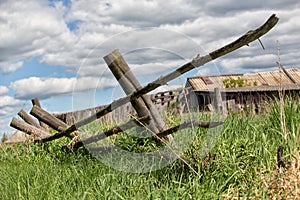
[[127, 74], [130, 84], [48, 119], [132, 123], [190, 124], [247, 38], [287, 73], [29, 129], [218, 100], [115, 62], [36, 102], [27, 118], [115, 130]]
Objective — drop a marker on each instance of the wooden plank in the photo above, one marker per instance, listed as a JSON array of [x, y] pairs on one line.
[[130, 84], [48, 119], [218, 100], [115, 130], [190, 124], [36, 102], [287, 73], [27, 118], [132, 123], [198, 61], [29, 129], [115, 62], [231, 106]]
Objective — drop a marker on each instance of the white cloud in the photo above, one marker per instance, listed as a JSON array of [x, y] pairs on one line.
[[230, 7], [250, 63], [8, 108], [3, 90], [30, 28], [7, 68], [8, 111], [136, 13], [8, 101], [46, 87], [208, 70], [4, 123]]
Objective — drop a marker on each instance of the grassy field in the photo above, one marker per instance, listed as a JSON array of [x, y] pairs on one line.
[[242, 165]]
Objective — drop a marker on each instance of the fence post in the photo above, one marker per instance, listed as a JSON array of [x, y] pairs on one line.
[[217, 99], [27, 128], [27, 118], [130, 84], [36, 102]]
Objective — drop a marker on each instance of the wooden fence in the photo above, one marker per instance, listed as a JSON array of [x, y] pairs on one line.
[[161, 100], [147, 114]]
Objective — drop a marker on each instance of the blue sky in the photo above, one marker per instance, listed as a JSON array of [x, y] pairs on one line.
[[53, 50]]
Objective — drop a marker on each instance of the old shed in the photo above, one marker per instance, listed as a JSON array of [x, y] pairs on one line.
[[245, 90]]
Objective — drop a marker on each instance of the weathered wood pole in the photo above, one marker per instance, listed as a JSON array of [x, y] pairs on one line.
[[114, 130], [133, 123], [135, 85], [50, 120], [27, 118], [29, 129], [130, 84], [218, 102], [36, 102], [114, 61]]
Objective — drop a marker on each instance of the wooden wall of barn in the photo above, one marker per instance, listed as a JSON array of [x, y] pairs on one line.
[[256, 101], [162, 100]]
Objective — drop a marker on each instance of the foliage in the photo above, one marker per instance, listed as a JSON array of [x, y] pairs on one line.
[[239, 82]]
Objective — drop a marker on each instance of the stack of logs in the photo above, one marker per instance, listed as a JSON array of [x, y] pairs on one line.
[[41, 129]]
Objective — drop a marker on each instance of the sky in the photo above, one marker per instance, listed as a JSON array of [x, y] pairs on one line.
[[53, 50]]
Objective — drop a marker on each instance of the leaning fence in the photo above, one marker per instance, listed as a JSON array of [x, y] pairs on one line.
[[146, 113]]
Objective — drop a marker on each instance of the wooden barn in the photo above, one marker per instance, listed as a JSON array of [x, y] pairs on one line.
[[239, 91]]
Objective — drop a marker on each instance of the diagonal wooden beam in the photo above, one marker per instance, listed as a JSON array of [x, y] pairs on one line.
[[36, 102], [143, 105], [50, 120], [29, 129], [133, 123], [47, 118], [27, 118]]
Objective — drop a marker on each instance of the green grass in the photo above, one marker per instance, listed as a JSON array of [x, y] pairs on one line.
[[240, 164]]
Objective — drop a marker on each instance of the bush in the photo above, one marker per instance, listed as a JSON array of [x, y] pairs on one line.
[[239, 82]]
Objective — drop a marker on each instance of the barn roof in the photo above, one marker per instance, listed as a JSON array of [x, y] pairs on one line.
[[288, 79]]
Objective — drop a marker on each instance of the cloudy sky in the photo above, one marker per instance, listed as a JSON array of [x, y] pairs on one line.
[[54, 49]]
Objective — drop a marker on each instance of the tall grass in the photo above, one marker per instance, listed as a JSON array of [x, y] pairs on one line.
[[290, 135], [242, 164]]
